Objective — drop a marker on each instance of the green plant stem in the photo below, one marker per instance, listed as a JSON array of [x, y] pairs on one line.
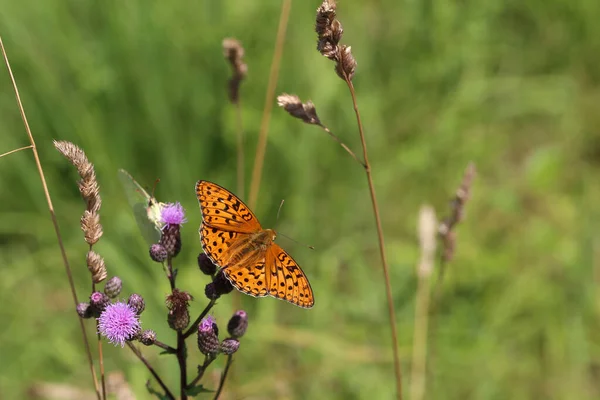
[[52, 216], [139, 355], [201, 370], [261, 146], [384, 264], [223, 377], [181, 350], [165, 347]]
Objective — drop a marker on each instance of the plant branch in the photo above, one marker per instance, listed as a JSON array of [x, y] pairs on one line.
[[384, 264], [266, 117], [337, 139], [165, 347], [15, 150], [139, 354], [52, 215], [194, 326], [201, 370], [224, 376]]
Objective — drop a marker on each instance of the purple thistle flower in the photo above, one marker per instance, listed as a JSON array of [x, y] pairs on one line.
[[118, 323], [173, 214]]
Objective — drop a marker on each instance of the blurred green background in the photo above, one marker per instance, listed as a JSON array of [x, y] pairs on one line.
[[512, 86]]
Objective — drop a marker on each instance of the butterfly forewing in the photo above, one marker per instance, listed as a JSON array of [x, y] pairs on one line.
[[146, 209], [222, 209], [287, 280], [234, 240]]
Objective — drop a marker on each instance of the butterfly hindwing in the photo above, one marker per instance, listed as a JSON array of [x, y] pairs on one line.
[[216, 243], [222, 209], [250, 279]]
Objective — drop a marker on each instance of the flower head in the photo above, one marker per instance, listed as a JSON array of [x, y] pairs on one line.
[[229, 346], [118, 323], [173, 214]]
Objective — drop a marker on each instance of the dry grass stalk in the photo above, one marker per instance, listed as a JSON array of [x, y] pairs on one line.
[[96, 266], [61, 246], [427, 240], [330, 31]]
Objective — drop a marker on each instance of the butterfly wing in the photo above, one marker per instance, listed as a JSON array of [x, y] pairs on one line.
[[286, 280], [146, 209], [250, 277], [223, 210]]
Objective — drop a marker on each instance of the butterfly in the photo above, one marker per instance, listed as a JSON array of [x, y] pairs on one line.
[[146, 209], [234, 240]]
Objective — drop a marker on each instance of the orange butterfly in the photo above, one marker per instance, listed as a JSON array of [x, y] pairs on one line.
[[233, 239]]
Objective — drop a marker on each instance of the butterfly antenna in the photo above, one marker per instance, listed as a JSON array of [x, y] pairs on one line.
[[279, 210], [295, 241], [154, 187]]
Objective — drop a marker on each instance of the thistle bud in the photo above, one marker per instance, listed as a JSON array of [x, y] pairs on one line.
[[158, 253], [178, 303], [148, 337], [208, 340], [98, 302], [84, 310], [113, 286], [218, 287], [229, 346], [206, 266], [171, 240], [238, 324], [136, 302]]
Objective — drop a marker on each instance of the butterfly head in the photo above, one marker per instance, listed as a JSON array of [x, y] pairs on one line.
[[271, 234]]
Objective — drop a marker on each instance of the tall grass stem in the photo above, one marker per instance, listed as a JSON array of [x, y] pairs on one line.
[[261, 146], [52, 216]]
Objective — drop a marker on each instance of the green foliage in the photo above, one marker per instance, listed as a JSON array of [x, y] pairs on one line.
[[512, 86]]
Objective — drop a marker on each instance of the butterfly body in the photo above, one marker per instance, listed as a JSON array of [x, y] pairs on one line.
[[234, 240]]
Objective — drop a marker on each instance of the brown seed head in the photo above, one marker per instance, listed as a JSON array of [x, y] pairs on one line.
[[346, 65], [96, 266], [325, 17], [234, 52], [304, 111], [88, 185], [91, 227], [457, 209]]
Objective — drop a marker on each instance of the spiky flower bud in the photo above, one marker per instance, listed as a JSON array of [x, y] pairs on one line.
[[208, 340], [173, 216], [158, 253], [84, 310], [178, 303], [136, 302], [113, 287], [148, 337], [218, 287], [98, 302], [206, 266], [171, 239], [229, 346], [238, 324]]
